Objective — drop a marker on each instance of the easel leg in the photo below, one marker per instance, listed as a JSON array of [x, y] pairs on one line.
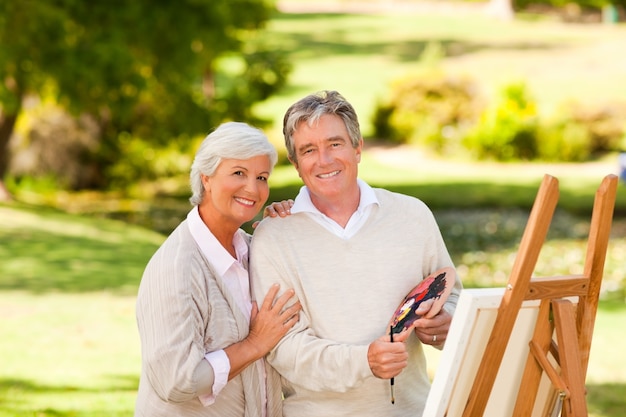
[[533, 370], [570, 358]]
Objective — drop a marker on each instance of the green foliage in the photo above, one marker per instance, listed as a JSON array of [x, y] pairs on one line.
[[606, 124], [259, 72], [564, 140], [140, 68], [428, 108], [42, 185], [570, 9], [50, 143], [439, 112], [506, 130], [578, 132], [143, 161]]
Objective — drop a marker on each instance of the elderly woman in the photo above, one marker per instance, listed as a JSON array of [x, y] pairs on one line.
[[202, 338]]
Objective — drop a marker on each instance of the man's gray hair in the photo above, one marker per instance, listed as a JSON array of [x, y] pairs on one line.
[[231, 140]]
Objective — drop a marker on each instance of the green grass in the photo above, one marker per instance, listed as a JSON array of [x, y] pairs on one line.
[[67, 284], [68, 354], [67, 290], [41, 252]]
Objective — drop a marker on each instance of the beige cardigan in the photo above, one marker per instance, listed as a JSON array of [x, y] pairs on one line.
[[184, 311]]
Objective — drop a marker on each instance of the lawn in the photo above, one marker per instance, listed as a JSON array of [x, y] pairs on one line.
[[68, 354], [68, 281], [67, 285]]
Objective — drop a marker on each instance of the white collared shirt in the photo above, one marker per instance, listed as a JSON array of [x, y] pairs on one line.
[[234, 275], [303, 204], [236, 279]]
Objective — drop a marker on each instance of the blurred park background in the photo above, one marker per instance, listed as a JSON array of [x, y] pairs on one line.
[[465, 105]]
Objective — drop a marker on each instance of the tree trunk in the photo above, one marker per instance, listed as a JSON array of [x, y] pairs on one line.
[[5, 195], [7, 123]]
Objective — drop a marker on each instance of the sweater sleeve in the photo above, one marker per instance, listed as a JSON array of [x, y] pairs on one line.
[[301, 357]]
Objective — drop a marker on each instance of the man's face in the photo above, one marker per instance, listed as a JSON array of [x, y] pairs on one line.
[[326, 160]]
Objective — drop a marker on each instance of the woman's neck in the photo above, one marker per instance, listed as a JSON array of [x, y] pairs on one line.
[[223, 232]]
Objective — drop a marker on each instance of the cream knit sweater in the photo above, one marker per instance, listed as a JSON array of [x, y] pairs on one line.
[[349, 289]]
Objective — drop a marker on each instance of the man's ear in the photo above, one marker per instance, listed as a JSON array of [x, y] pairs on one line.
[[359, 150], [294, 162]]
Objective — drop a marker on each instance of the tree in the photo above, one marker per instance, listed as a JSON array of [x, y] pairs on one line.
[[149, 68]]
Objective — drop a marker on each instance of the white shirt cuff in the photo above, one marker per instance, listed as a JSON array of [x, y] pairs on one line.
[[221, 368]]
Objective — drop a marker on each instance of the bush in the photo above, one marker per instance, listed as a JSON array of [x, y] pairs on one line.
[[507, 130], [606, 124], [579, 132], [51, 145], [564, 141], [439, 112], [144, 161], [432, 109], [428, 107]]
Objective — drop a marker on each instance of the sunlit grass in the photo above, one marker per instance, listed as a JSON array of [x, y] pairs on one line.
[[42, 251], [74, 351], [68, 354]]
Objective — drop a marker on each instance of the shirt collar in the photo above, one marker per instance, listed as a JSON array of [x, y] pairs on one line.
[[212, 249], [303, 203]]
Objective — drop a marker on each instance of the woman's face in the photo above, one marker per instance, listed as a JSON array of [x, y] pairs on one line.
[[237, 191]]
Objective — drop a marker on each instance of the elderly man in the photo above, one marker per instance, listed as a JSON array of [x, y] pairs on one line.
[[351, 252]]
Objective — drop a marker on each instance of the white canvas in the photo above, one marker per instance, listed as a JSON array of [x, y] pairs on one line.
[[469, 332]]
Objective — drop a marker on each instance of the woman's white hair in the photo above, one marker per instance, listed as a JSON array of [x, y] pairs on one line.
[[231, 140]]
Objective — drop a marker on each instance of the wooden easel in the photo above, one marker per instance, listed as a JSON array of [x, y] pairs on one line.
[[565, 359]]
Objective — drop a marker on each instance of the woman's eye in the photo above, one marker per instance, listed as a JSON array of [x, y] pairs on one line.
[[238, 173], [261, 178]]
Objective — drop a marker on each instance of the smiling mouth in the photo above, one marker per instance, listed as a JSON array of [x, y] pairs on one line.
[[244, 201], [329, 175]]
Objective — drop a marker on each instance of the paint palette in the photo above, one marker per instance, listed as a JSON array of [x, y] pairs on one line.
[[437, 286]]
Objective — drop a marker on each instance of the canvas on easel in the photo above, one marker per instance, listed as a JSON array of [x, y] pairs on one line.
[[465, 346], [523, 350]]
